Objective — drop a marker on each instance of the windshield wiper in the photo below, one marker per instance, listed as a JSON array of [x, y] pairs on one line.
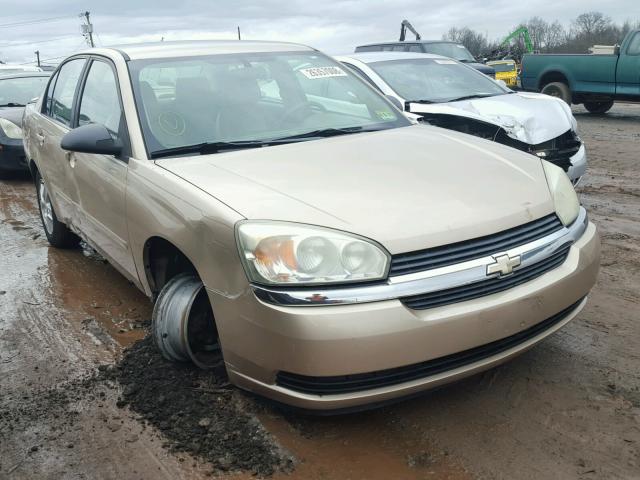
[[215, 147], [475, 95], [206, 148], [324, 133], [12, 104], [423, 101]]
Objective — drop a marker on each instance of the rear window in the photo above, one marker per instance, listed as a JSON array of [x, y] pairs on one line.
[[452, 50]]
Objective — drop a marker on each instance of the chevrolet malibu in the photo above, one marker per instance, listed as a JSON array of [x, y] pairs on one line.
[[290, 222], [449, 94]]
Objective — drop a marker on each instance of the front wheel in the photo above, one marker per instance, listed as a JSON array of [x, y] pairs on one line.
[[559, 90], [183, 325], [598, 107], [58, 234]]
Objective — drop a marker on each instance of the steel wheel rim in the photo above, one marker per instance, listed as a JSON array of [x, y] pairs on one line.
[[45, 207]]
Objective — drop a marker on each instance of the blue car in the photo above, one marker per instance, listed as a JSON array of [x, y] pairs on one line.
[[16, 90]]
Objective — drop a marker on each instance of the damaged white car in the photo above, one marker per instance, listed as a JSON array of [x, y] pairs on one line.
[[448, 94]]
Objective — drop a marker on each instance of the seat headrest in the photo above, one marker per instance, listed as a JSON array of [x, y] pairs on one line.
[[241, 86], [193, 91]]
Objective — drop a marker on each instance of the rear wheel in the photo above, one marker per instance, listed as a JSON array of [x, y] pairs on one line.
[[598, 107], [183, 325], [57, 232], [558, 89]]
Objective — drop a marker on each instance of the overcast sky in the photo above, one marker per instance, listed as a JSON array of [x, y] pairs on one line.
[[334, 26]]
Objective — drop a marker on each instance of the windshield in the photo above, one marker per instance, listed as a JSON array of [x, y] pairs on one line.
[[252, 97], [435, 80], [451, 50], [503, 67], [21, 90]]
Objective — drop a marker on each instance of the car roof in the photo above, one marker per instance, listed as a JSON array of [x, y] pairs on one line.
[[370, 57], [23, 74], [396, 42], [196, 48]]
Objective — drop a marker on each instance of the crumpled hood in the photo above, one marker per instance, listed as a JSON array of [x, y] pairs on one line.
[[532, 118], [13, 114], [408, 188]]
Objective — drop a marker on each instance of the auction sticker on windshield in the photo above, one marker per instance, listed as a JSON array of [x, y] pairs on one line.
[[323, 72]]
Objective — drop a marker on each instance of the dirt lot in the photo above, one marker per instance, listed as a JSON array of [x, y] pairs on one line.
[[569, 408]]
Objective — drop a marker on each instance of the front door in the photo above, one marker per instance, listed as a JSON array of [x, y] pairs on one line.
[[100, 180], [628, 70]]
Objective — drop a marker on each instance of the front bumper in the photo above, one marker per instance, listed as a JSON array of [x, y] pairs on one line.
[[12, 156], [260, 340]]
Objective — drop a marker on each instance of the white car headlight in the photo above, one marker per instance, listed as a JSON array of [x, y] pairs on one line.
[[11, 130], [295, 254], [564, 196]]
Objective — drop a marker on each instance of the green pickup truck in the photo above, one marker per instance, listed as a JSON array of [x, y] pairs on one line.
[[594, 80]]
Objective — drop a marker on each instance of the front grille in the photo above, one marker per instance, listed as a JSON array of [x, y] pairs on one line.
[[488, 286], [422, 260], [383, 378]]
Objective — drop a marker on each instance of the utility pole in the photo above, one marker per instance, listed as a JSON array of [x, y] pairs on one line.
[[37, 52], [239, 33], [87, 29]]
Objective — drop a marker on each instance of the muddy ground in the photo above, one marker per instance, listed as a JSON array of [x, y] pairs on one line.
[[72, 404]]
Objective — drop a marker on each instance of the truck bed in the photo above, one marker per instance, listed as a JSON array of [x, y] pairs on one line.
[[587, 73]]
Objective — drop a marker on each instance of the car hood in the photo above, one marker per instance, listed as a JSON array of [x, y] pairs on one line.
[[408, 188], [13, 114], [532, 118], [481, 67]]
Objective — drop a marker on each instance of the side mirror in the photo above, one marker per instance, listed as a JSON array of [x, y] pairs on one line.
[[91, 138], [502, 83], [395, 101], [616, 50]]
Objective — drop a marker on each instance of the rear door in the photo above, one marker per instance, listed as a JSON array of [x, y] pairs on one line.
[[100, 180], [628, 70], [54, 122]]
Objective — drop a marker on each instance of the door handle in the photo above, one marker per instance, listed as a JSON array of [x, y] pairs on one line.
[[41, 138], [70, 158]]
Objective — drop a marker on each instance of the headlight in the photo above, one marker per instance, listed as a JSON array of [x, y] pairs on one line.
[[296, 254], [564, 196], [11, 130]]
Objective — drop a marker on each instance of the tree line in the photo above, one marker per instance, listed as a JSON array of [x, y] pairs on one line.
[[586, 30]]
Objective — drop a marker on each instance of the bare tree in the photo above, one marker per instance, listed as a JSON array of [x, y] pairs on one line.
[[591, 23], [475, 42]]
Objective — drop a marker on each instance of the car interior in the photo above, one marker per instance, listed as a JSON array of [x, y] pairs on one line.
[[191, 102]]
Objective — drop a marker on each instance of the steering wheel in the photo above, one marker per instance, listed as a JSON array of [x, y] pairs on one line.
[[291, 111]]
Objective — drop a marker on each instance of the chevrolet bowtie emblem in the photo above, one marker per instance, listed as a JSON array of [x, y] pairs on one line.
[[503, 265]]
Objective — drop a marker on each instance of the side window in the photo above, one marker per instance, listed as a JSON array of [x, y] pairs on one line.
[[100, 102], [415, 48], [399, 48], [368, 48], [61, 104], [46, 102], [634, 45]]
